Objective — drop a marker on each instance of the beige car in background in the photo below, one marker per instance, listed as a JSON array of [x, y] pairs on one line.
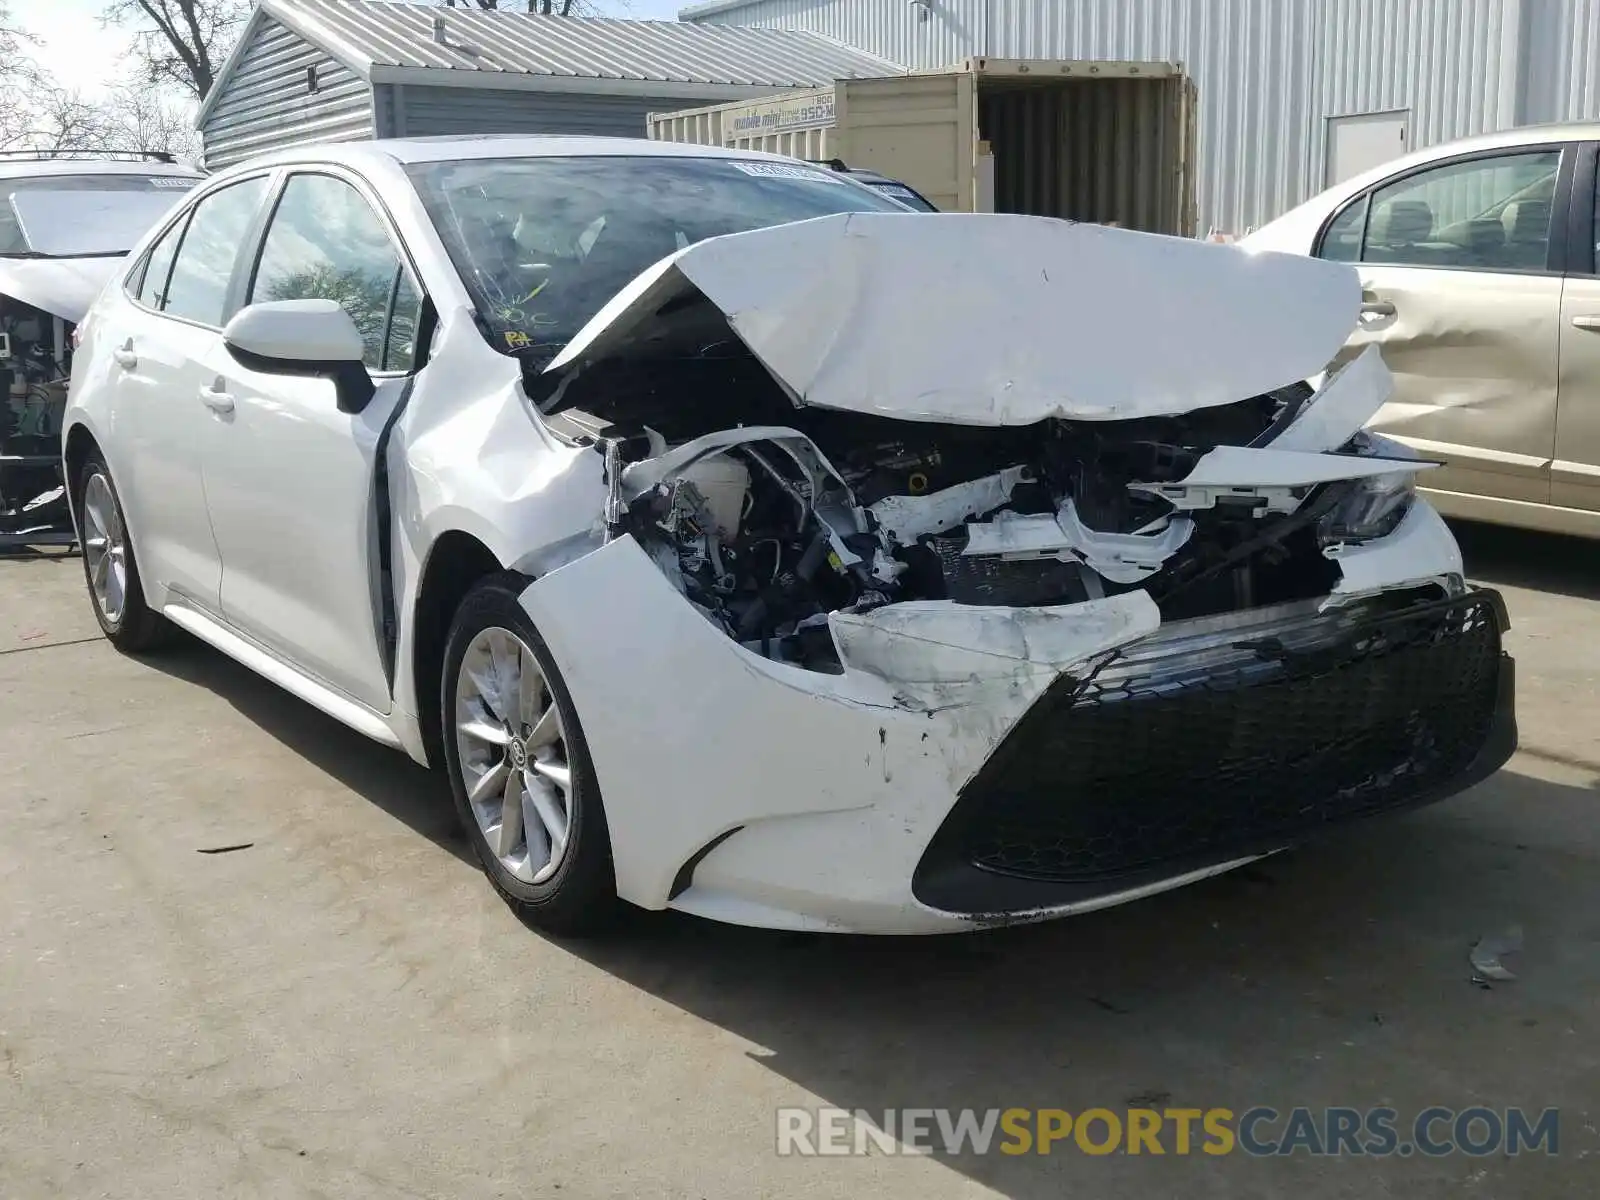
[[1478, 264]]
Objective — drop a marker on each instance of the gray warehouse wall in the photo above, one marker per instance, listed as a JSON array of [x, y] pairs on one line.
[[268, 101], [1270, 73], [410, 110]]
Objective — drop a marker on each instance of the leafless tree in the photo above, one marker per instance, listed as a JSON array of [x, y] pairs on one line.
[[548, 8], [137, 117], [16, 77], [35, 113], [51, 119], [180, 43], [64, 120], [12, 35]]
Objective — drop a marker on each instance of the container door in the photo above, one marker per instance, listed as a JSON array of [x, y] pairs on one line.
[[919, 129], [1186, 216]]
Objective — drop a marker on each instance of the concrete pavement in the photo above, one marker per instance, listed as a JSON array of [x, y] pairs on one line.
[[344, 1009]]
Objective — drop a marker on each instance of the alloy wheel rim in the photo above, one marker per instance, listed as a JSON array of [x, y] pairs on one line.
[[513, 752], [105, 548]]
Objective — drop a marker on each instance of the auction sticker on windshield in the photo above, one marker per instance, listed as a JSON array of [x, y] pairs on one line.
[[781, 171]]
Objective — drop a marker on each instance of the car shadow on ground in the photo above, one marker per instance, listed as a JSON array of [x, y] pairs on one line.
[[1545, 562], [417, 797], [1337, 974]]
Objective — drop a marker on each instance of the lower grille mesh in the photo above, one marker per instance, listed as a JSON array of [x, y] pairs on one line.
[[1100, 781]]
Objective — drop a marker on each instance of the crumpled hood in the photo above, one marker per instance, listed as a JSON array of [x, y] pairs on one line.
[[998, 320], [62, 287]]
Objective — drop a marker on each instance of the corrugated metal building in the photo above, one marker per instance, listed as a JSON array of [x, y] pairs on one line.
[[1293, 94], [310, 70]]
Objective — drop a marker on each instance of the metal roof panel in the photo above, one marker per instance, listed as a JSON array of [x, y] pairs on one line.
[[384, 33]]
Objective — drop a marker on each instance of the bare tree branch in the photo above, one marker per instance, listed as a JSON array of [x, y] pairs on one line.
[[138, 117], [181, 42], [547, 8], [55, 120], [65, 121], [35, 114]]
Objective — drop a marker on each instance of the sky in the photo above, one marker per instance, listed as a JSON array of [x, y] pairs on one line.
[[85, 57], [72, 46]]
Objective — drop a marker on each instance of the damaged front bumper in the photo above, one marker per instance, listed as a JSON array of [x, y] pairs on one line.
[[1203, 748], [973, 766]]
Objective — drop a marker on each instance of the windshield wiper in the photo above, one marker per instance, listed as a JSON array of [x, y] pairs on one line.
[[33, 254]]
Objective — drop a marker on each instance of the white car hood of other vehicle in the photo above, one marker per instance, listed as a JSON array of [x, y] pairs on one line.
[[62, 287], [978, 319]]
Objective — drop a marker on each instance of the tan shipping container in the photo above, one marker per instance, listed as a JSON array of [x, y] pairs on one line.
[[1093, 141]]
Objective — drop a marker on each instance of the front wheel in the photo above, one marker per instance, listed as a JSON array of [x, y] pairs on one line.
[[109, 566], [519, 767]]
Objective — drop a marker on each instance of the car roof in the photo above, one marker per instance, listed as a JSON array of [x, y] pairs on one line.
[[37, 168], [454, 148], [1310, 214], [1520, 135], [1501, 139]]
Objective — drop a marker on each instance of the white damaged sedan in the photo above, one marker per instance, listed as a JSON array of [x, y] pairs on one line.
[[741, 543]]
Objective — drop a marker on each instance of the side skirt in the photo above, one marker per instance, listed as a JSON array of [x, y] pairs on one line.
[[341, 708]]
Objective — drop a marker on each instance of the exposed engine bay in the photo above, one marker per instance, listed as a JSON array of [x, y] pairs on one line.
[[35, 367], [768, 530], [799, 423]]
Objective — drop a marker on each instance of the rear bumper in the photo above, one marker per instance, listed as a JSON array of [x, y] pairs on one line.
[[1157, 772]]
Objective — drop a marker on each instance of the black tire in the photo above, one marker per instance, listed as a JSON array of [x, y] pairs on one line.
[[137, 627], [580, 898]]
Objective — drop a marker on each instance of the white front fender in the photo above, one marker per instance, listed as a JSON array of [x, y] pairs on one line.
[[692, 735]]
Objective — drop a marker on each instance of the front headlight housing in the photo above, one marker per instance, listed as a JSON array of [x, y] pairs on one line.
[[1372, 509]]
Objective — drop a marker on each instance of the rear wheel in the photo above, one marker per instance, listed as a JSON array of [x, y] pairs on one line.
[[519, 767], [109, 566]]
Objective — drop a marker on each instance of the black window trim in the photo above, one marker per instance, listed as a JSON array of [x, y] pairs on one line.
[[1583, 222], [133, 281], [180, 231], [186, 219], [388, 315], [1557, 257], [256, 243], [1363, 198]]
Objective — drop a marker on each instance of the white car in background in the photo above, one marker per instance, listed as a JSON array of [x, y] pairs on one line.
[[65, 222], [740, 543]]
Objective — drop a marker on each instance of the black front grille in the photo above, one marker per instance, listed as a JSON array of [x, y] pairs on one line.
[[1127, 773]]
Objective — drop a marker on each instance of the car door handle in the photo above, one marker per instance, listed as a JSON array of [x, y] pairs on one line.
[[1378, 308], [124, 355], [216, 399], [1586, 323]]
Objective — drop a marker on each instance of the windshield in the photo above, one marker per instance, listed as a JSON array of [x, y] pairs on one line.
[[69, 216], [543, 243]]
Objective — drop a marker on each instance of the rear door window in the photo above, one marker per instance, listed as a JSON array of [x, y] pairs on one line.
[[1342, 240], [152, 285]]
